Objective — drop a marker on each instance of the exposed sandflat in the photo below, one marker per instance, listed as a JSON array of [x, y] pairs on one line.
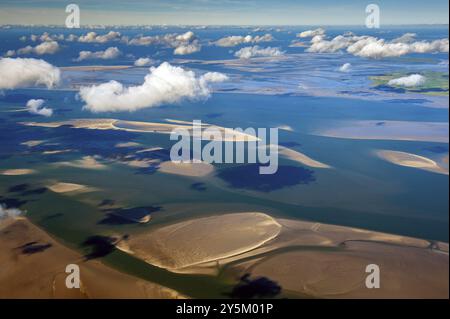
[[411, 160], [69, 188], [203, 240], [390, 130], [186, 169], [300, 158], [148, 127], [405, 272], [87, 162], [42, 274], [17, 172]]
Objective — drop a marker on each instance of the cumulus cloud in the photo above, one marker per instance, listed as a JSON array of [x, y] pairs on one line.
[[143, 62], [10, 53], [185, 43], [108, 54], [346, 67], [171, 39], [405, 38], [37, 107], [184, 49], [408, 81], [93, 37], [256, 51], [164, 84], [186, 37], [20, 72], [9, 212], [47, 47], [214, 77], [235, 40], [311, 33], [372, 47]]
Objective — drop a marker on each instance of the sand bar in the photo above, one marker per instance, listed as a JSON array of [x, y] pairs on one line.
[[17, 172], [186, 169], [207, 239], [228, 135], [411, 160], [389, 130], [69, 188]]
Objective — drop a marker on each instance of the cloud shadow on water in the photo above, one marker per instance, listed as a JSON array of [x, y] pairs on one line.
[[248, 177]]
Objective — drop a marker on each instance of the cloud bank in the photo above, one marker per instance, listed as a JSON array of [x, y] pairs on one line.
[[93, 37], [36, 107], [108, 54], [185, 43], [256, 51], [408, 81], [375, 48], [47, 47], [143, 62], [20, 72], [164, 84], [235, 40], [311, 33]]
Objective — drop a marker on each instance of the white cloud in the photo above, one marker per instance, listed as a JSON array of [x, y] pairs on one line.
[[27, 72], [406, 38], [10, 53], [320, 45], [93, 37], [164, 84], [108, 54], [214, 77], [311, 33], [185, 43], [186, 37], [143, 62], [9, 212], [372, 47], [37, 107], [47, 47], [256, 51], [408, 81], [184, 49], [172, 39], [346, 67], [235, 40]]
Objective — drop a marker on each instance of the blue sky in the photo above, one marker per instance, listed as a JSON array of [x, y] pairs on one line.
[[214, 12]]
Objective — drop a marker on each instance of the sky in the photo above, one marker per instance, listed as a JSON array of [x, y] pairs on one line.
[[224, 12]]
